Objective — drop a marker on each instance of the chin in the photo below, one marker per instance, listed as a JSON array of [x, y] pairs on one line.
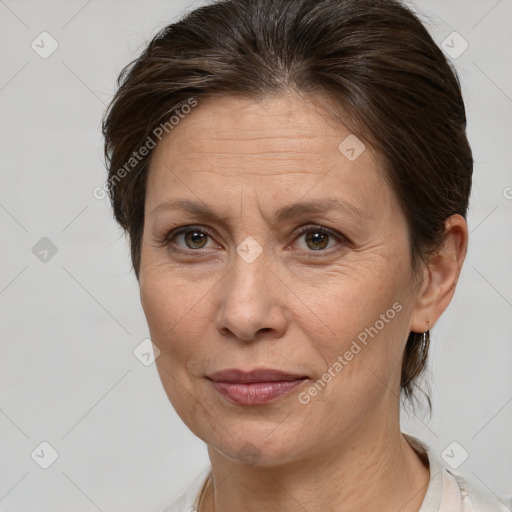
[[255, 443]]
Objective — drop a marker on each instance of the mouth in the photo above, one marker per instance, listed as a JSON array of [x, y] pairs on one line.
[[255, 387]]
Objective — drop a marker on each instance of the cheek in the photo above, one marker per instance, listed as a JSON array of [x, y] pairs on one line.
[[179, 314], [166, 296], [166, 307], [172, 319], [348, 301], [159, 304], [367, 315], [358, 368]]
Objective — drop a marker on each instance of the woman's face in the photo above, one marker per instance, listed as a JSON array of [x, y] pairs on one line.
[[243, 289]]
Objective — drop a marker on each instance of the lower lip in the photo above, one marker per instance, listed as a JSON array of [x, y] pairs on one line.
[[257, 392]]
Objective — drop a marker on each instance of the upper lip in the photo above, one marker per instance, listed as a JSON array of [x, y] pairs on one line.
[[251, 376]]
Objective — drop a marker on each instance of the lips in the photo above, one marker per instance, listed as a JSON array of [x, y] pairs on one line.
[[256, 386]]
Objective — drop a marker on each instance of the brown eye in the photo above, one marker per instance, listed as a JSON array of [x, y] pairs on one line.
[[317, 240], [195, 239], [188, 238]]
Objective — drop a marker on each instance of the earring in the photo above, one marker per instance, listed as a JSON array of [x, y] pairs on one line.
[[425, 343]]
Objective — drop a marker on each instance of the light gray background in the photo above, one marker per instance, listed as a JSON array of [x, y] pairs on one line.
[[68, 375]]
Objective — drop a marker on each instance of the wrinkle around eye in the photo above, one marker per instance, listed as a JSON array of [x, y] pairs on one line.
[[174, 241]]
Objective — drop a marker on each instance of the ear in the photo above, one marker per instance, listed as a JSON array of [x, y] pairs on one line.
[[441, 275]]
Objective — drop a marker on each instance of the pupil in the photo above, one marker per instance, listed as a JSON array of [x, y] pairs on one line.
[[196, 237], [317, 238]]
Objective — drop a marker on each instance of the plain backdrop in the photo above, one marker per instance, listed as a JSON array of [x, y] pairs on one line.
[[69, 304]]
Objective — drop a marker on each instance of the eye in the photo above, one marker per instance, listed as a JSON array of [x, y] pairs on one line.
[[193, 237], [317, 238]]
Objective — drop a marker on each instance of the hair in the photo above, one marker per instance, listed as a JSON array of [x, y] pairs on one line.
[[373, 61]]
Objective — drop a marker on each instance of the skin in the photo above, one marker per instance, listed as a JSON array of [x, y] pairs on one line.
[[293, 308]]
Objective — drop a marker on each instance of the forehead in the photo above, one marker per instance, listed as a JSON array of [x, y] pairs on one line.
[[267, 146], [277, 127]]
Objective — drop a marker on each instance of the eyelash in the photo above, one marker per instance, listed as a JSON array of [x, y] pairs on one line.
[[303, 230]]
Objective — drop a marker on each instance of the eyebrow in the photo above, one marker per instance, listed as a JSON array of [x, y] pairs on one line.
[[283, 214]]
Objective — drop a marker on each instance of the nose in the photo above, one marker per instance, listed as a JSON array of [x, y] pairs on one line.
[[252, 301]]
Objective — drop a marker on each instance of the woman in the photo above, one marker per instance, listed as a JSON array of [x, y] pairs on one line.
[[294, 178]]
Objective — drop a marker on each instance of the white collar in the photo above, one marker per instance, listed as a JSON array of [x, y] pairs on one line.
[[449, 492]]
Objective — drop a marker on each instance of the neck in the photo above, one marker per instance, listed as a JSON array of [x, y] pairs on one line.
[[371, 470]]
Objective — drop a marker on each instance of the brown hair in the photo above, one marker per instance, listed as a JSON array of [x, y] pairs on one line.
[[372, 59]]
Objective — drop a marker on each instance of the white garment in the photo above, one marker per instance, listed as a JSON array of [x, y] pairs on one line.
[[446, 492]]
